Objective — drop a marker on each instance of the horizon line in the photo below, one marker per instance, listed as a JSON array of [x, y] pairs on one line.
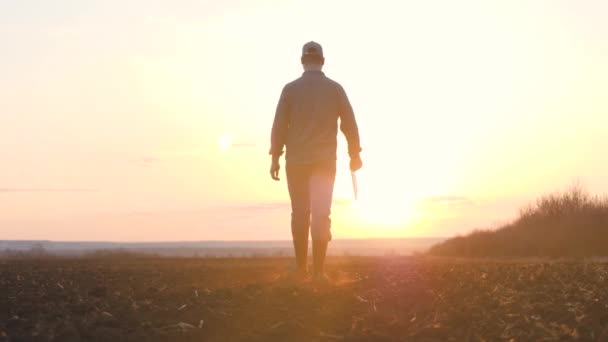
[[194, 241]]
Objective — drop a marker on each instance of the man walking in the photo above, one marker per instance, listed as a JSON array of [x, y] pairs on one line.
[[306, 123]]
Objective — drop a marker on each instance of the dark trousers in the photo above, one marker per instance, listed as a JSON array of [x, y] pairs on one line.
[[311, 188]]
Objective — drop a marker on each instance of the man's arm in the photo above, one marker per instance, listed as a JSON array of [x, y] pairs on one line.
[[348, 126], [278, 136]]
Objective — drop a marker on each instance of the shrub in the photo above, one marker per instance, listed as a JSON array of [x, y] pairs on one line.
[[568, 224]]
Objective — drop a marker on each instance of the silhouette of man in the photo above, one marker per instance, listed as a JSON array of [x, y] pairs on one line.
[[306, 123]]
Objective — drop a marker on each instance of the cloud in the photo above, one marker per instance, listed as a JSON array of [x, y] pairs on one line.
[[243, 145], [286, 205], [341, 202], [448, 200], [263, 206], [146, 161], [162, 19], [63, 31], [139, 214], [22, 190]]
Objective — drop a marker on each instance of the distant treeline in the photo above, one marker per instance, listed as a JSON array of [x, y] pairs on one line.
[[40, 252], [568, 224]]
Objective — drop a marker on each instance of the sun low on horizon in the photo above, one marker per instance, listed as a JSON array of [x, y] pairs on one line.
[[151, 121]]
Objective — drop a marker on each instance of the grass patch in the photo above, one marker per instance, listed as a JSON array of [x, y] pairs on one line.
[[563, 224]]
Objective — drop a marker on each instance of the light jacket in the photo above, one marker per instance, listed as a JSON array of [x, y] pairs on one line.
[[306, 120]]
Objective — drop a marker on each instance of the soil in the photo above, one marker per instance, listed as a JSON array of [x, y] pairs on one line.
[[250, 299]]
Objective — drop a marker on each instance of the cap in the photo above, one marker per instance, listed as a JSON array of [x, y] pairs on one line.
[[312, 49]]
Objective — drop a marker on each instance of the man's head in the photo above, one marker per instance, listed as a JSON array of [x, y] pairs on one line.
[[312, 56]]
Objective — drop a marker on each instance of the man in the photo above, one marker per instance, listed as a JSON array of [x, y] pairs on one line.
[[306, 123]]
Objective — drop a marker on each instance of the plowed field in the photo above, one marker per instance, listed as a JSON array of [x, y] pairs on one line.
[[370, 299]]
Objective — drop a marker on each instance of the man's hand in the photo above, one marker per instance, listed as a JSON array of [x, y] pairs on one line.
[[355, 163], [274, 169]]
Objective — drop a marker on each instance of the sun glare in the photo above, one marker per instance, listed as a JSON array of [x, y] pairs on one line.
[[225, 142], [383, 211]]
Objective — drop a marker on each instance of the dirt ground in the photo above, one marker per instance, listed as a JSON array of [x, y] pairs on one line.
[[371, 299]]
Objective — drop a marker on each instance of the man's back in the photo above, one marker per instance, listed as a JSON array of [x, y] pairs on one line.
[[306, 120]]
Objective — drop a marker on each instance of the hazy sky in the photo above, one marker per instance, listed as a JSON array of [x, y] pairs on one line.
[[150, 120]]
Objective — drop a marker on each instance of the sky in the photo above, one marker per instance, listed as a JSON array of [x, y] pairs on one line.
[[141, 120]]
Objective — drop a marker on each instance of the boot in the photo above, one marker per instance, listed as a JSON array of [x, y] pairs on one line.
[[300, 246], [319, 250]]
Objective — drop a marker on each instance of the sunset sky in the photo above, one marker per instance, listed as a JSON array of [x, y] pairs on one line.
[[140, 120]]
